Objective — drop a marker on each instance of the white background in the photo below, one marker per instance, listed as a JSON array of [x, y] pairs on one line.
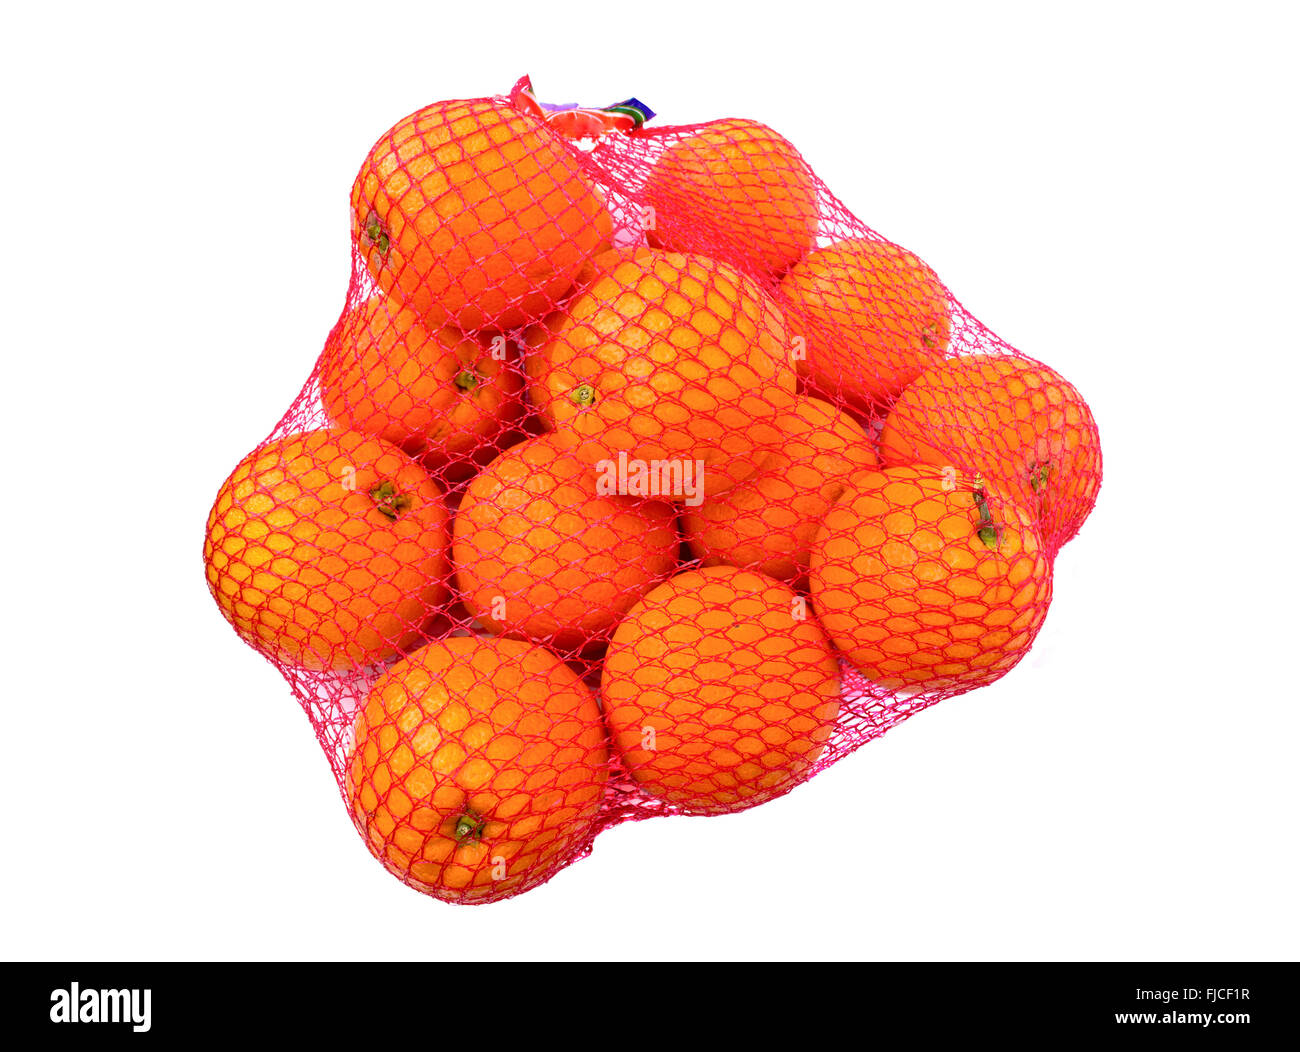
[[1111, 189]]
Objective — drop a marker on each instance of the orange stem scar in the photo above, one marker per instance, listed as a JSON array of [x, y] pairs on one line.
[[389, 500]]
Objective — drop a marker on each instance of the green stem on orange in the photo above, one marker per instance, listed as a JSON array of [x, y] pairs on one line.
[[466, 380], [583, 394], [469, 828], [376, 234], [987, 530], [389, 500]]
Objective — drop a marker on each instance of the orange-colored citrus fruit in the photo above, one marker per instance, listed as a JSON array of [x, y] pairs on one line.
[[536, 336], [737, 189], [720, 689], [1018, 423], [328, 549], [605, 261], [476, 214], [477, 768], [545, 550], [925, 579], [441, 396], [671, 359], [766, 522], [873, 318]]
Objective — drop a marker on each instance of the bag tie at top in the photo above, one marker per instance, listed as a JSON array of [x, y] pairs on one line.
[[581, 122]]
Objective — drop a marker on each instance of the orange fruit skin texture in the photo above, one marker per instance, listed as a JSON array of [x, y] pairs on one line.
[[307, 567], [494, 739], [440, 396], [566, 561], [873, 318], [1018, 423], [539, 334], [767, 521], [735, 185], [741, 693], [909, 592], [476, 214], [535, 337], [685, 357]]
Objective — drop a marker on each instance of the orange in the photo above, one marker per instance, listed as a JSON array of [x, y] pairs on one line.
[[477, 768], [328, 549], [606, 260], [674, 360], [536, 336], [476, 214], [441, 396], [736, 189], [925, 579], [601, 265], [767, 521], [872, 316], [541, 552], [1020, 424], [720, 690]]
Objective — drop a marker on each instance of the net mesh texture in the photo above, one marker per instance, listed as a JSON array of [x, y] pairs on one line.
[[638, 477]]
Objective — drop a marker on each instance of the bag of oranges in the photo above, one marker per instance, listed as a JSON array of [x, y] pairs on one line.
[[637, 477]]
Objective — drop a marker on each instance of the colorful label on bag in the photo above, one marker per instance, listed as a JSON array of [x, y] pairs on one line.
[[581, 122]]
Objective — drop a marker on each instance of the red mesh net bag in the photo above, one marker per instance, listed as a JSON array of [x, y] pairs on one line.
[[638, 477]]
